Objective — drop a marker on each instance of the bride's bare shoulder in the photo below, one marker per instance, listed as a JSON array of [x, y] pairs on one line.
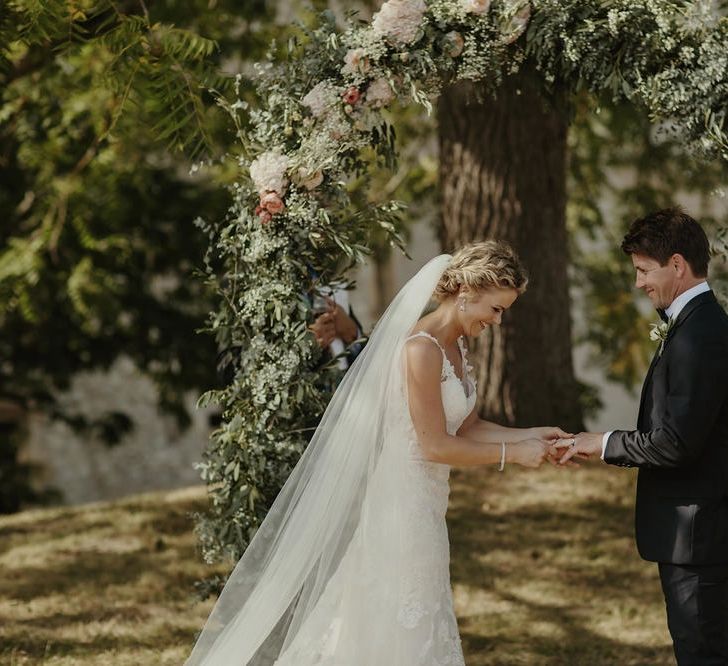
[[423, 355]]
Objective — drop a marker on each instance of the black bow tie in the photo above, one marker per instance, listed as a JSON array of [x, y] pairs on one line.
[[663, 315]]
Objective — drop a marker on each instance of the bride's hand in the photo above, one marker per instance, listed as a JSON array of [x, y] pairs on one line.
[[528, 453], [548, 433]]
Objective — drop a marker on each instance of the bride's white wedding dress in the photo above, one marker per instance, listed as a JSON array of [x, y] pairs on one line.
[[351, 565], [425, 629]]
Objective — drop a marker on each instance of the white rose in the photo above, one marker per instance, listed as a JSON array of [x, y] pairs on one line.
[[400, 21], [321, 98], [268, 172], [379, 93]]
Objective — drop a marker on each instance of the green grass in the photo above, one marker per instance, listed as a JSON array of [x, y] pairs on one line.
[[544, 571]]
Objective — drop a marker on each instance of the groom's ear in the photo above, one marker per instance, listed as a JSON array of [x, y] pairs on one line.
[[680, 265]]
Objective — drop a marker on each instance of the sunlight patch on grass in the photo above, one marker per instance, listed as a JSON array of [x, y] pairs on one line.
[[544, 572]]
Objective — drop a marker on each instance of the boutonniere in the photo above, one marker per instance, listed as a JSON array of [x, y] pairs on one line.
[[660, 332]]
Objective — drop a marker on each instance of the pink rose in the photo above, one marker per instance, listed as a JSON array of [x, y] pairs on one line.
[[351, 96], [263, 215], [272, 203]]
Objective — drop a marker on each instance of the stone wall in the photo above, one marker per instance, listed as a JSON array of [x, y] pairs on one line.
[[154, 455]]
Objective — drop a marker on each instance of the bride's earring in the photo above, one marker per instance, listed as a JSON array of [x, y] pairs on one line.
[[461, 304]]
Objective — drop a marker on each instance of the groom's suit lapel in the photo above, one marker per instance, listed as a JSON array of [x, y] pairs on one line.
[[645, 385], [690, 307]]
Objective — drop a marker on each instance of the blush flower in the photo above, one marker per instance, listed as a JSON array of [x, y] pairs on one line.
[[400, 21], [517, 25], [309, 180], [355, 62], [263, 215], [337, 128], [479, 7], [379, 93], [321, 98], [272, 203], [351, 96], [454, 43]]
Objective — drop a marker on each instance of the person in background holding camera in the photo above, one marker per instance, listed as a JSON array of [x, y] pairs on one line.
[[336, 328]]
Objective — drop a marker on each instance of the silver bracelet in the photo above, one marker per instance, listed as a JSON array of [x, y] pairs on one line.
[[503, 457]]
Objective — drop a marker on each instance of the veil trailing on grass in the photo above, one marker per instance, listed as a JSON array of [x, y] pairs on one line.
[[340, 501]]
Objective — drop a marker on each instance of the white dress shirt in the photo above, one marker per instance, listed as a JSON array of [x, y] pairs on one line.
[[672, 312]]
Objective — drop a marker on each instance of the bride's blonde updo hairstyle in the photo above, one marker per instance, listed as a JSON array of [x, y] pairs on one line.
[[481, 266]]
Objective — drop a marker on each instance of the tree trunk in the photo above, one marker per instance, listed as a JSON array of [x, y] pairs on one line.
[[503, 176], [383, 281]]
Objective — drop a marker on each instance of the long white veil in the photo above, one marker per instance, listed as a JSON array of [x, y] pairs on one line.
[[346, 481]]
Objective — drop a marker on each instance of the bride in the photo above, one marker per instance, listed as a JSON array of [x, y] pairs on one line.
[[351, 565]]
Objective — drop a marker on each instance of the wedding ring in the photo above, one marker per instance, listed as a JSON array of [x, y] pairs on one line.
[[573, 442]]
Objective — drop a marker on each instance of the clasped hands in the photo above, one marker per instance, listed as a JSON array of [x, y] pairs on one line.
[[564, 448], [560, 448]]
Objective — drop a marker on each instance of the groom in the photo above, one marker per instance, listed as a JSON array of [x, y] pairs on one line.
[[681, 441]]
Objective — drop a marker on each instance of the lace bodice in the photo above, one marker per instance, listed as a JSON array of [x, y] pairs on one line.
[[414, 617], [458, 397], [351, 565]]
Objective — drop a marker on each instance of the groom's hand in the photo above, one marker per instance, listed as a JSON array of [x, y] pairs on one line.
[[557, 449], [584, 445], [550, 435]]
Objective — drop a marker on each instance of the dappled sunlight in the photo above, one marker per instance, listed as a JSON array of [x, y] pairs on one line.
[[544, 571], [102, 583]]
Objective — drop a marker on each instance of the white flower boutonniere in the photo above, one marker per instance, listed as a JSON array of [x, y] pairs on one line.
[[660, 332]]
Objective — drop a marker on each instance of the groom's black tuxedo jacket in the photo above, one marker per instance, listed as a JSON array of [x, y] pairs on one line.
[[681, 442]]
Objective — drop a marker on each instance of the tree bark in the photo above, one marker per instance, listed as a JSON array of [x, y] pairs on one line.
[[503, 176]]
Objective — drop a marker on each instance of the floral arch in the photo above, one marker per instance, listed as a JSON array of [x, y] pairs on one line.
[[321, 106]]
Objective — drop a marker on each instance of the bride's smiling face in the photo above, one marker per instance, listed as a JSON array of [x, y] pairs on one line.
[[484, 308]]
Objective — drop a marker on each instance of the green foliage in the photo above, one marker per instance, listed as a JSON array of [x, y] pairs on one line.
[[317, 124], [664, 55], [617, 156], [99, 255], [158, 68]]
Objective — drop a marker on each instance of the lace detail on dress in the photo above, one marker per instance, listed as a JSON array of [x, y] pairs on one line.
[[457, 402], [423, 629], [426, 595]]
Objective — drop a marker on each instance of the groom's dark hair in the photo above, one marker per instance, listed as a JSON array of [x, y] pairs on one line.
[[669, 231]]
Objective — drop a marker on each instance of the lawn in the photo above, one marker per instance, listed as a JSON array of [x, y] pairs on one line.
[[544, 571]]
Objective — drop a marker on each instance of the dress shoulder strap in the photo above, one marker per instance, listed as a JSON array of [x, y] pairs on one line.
[[445, 360], [431, 337]]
